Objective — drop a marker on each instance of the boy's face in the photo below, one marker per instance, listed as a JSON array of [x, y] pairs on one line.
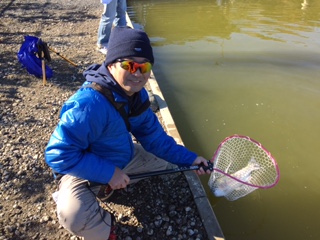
[[130, 82]]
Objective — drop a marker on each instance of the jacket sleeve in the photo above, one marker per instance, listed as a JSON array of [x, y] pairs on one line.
[[67, 150], [149, 132]]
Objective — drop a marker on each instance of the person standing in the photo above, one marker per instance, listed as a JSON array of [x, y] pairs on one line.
[[114, 13]]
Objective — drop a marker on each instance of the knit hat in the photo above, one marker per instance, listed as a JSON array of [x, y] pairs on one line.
[[125, 42]]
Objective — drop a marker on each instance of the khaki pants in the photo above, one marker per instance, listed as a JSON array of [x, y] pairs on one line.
[[77, 207]]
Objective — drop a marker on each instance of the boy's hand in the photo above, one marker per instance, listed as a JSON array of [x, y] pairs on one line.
[[201, 161], [119, 179]]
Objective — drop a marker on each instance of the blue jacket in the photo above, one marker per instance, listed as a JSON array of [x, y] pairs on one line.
[[91, 137]]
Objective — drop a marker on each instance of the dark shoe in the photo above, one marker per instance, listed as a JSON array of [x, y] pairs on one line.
[[113, 229], [105, 192], [113, 233]]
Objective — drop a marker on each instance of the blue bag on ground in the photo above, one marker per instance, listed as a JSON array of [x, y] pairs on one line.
[[28, 58]]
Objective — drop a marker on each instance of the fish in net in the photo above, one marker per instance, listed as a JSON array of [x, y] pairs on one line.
[[240, 166]]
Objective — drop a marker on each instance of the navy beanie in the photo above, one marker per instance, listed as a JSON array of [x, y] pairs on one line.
[[125, 42]]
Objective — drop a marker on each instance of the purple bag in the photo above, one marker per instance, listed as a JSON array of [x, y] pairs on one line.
[[27, 56]]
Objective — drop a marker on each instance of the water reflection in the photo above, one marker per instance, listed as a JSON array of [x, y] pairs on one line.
[[249, 67], [195, 20], [304, 5]]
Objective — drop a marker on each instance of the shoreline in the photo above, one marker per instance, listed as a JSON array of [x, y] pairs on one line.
[[29, 113]]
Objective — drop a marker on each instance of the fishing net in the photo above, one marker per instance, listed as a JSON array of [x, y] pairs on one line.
[[242, 165]]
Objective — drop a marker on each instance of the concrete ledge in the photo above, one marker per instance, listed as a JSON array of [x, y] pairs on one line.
[[208, 217]]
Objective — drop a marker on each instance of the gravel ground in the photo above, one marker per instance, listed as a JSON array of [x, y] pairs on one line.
[[156, 208]]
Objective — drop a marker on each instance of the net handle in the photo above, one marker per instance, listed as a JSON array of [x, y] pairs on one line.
[[257, 144], [173, 170]]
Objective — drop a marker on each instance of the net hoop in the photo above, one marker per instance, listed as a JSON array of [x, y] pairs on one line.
[[257, 145]]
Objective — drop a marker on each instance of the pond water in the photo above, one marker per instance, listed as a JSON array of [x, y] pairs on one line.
[[246, 67]]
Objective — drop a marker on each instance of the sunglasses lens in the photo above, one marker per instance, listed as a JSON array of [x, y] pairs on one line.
[[132, 66], [145, 67], [126, 65]]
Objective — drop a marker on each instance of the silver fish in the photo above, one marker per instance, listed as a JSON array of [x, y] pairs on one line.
[[225, 185]]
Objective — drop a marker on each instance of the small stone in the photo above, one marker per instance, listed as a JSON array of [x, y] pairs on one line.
[[169, 231]]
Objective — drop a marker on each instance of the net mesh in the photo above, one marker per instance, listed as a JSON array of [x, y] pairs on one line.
[[241, 165]]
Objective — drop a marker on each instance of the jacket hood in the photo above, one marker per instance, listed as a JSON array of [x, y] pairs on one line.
[[100, 74]]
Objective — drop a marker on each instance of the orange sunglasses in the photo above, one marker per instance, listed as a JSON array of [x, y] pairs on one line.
[[132, 66]]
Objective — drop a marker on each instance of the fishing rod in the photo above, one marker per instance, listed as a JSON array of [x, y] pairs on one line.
[[173, 170], [63, 57]]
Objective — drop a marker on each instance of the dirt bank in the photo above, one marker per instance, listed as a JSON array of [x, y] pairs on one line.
[[157, 208]]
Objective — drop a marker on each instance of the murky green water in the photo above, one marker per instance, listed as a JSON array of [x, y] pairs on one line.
[[253, 68]]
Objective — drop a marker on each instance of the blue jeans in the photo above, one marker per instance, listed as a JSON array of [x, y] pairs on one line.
[[113, 13]]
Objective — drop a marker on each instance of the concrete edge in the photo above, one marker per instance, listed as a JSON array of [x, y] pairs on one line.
[[205, 210]]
